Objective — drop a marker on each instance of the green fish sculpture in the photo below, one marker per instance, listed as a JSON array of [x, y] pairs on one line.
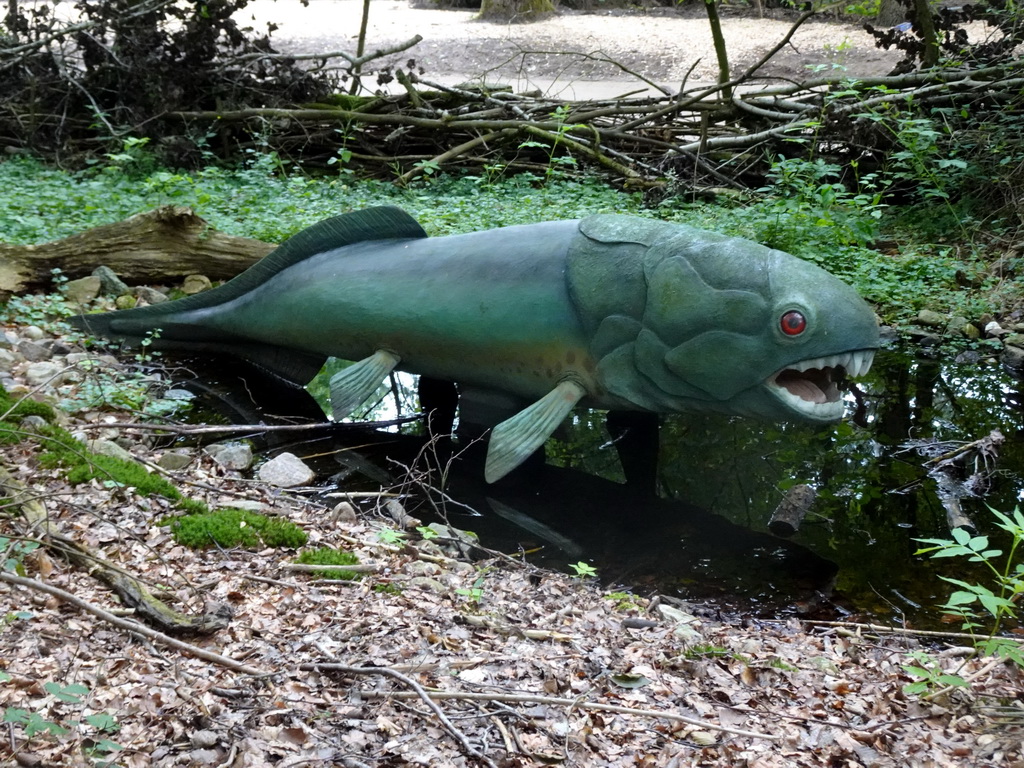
[[614, 312]]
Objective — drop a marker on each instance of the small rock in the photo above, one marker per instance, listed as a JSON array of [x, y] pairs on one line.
[[205, 757], [33, 333], [933, 319], [204, 739], [234, 456], [125, 302], [83, 290], [925, 339], [6, 342], [172, 461], [344, 512], [422, 568], [196, 284], [109, 448], [42, 373], [110, 283], [1013, 360], [32, 423], [92, 360], [956, 325], [995, 330], [971, 331], [286, 471], [149, 295], [7, 360], [33, 351], [686, 624], [1014, 340], [968, 357], [454, 542], [425, 582]]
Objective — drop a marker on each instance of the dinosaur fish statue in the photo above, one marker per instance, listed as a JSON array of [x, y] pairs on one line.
[[614, 312]]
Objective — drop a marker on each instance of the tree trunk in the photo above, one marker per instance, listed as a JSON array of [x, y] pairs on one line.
[[153, 247], [891, 13], [515, 10], [926, 25], [721, 52]]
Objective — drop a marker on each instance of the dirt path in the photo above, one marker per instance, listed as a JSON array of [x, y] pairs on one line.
[[662, 45]]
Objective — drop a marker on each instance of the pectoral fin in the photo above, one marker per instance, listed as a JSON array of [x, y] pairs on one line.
[[354, 384], [516, 438]]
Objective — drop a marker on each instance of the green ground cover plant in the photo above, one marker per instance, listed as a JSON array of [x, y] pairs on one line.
[[903, 255], [235, 528], [329, 556]]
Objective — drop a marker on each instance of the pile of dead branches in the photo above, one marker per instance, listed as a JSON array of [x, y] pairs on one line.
[[392, 122], [718, 136]]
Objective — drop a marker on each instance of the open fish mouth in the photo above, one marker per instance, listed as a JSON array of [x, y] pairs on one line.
[[811, 387]]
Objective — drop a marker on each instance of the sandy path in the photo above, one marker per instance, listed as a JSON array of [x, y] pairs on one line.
[[661, 46]]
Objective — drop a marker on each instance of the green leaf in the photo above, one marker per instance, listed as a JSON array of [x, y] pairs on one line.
[[630, 681], [961, 598], [15, 715], [102, 721], [71, 694], [996, 605]]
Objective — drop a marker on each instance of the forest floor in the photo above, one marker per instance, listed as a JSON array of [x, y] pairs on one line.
[[436, 656]]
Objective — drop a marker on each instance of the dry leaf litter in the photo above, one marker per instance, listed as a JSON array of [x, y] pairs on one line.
[[432, 660]]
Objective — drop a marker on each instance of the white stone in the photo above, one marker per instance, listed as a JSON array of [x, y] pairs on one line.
[[286, 471]]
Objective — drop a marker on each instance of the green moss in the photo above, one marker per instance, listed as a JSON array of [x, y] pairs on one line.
[[328, 556], [13, 409], [235, 528], [10, 433]]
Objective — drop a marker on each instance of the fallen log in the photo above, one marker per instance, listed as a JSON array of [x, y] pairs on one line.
[[161, 245]]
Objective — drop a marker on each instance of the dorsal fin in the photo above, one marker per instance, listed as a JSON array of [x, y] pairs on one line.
[[381, 223]]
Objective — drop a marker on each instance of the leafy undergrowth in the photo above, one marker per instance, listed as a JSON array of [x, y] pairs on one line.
[[528, 666], [899, 267]]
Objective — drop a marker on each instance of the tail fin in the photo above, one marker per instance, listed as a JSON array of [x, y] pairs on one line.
[[133, 325]]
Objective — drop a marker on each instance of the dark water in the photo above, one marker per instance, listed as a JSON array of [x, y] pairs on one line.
[[704, 535]]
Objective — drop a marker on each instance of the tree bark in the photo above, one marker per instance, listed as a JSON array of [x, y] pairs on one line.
[[891, 13], [721, 51], [926, 24], [157, 246], [515, 10]]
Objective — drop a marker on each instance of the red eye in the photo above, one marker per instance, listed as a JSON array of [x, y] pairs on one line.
[[793, 323]]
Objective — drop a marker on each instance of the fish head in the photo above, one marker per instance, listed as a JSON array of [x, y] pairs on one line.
[[728, 325]]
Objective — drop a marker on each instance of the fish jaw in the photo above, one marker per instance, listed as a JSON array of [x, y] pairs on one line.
[[810, 388]]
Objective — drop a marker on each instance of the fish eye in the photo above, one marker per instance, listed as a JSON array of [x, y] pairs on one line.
[[793, 323]]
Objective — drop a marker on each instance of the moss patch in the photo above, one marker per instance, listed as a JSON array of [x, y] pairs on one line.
[[328, 556], [235, 528], [13, 410]]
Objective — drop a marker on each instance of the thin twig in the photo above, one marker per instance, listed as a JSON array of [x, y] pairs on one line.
[[131, 626], [212, 429], [416, 691], [529, 698]]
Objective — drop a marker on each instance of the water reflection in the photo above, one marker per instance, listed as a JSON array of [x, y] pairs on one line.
[[718, 479]]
